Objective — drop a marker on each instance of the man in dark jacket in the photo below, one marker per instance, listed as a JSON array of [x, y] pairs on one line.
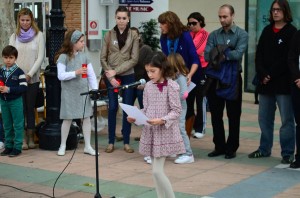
[[274, 87]]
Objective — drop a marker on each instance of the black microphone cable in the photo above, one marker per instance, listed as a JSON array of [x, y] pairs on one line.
[[74, 149]]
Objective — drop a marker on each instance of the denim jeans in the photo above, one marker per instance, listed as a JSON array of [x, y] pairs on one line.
[[296, 107], [127, 98], [184, 136], [266, 117]]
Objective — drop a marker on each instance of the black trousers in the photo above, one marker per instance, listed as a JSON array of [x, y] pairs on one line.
[[234, 110], [196, 94]]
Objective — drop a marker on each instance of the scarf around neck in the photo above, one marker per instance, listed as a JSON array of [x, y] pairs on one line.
[[121, 37], [26, 36]]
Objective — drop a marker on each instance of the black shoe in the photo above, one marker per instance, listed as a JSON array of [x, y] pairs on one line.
[[14, 153], [6, 151], [295, 164], [256, 154], [256, 102], [287, 160], [230, 155], [137, 138], [215, 153]]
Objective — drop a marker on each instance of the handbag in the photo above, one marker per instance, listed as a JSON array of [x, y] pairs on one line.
[[102, 85]]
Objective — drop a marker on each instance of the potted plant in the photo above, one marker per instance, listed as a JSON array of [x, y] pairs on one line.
[[150, 33]]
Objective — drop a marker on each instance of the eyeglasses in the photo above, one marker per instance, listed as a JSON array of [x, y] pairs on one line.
[[276, 9], [124, 18], [192, 23]]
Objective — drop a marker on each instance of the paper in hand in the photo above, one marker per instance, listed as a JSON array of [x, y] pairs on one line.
[[191, 87], [134, 112]]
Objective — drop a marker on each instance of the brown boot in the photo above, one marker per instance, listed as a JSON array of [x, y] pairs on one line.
[[25, 145], [30, 134], [189, 123]]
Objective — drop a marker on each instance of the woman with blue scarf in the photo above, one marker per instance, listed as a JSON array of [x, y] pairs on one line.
[[29, 41]]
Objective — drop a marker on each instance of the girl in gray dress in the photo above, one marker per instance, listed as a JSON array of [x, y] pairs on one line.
[[161, 138], [73, 105]]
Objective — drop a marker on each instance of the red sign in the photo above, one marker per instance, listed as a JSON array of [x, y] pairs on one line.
[[139, 8]]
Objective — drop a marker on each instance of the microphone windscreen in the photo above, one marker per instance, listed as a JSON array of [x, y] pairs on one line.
[[142, 81]]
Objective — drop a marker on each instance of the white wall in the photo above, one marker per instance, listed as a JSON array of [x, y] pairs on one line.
[[208, 8]]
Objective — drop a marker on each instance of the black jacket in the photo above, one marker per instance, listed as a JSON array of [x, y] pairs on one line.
[[272, 59]]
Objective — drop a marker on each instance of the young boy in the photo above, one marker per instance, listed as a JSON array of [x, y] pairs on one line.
[[12, 85]]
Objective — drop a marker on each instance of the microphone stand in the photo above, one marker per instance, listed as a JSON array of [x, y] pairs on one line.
[[95, 95]]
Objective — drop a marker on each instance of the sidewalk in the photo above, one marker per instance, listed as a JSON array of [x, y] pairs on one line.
[[125, 175]]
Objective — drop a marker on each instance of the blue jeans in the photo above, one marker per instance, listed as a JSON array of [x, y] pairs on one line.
[[183, 133], [266, 117], [296, 105], [127, 96]]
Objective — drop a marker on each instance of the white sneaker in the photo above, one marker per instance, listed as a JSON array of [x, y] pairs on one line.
[[146, 158], [89, 151], [198, 135], [2, 145], [61, 151], [184, 159]]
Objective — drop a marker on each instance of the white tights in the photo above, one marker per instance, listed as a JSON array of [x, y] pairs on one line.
[[86, 128], [162, 183]]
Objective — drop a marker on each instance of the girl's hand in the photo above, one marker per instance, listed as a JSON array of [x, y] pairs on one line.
[[156, 121], [81, 70], [130, 119], [3, 89]]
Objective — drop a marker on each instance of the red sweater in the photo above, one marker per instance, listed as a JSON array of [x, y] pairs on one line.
[[200, 40]]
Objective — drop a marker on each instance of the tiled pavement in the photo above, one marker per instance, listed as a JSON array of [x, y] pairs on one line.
[[126, 175]]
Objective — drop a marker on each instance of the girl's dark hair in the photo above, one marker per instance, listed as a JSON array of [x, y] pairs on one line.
[[160, 61], [230, 7], [198, 17], [122, 9], [177, 62], [175, 26], [67, 46], [285, 7], [10, 51]]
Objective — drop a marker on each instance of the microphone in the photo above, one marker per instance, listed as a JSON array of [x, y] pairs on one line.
[[134, 84]]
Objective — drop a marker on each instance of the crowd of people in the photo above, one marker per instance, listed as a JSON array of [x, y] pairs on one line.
[[189, 55]]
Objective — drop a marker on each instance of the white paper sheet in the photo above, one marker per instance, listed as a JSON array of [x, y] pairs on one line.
[[134, 112], [191, 87]]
